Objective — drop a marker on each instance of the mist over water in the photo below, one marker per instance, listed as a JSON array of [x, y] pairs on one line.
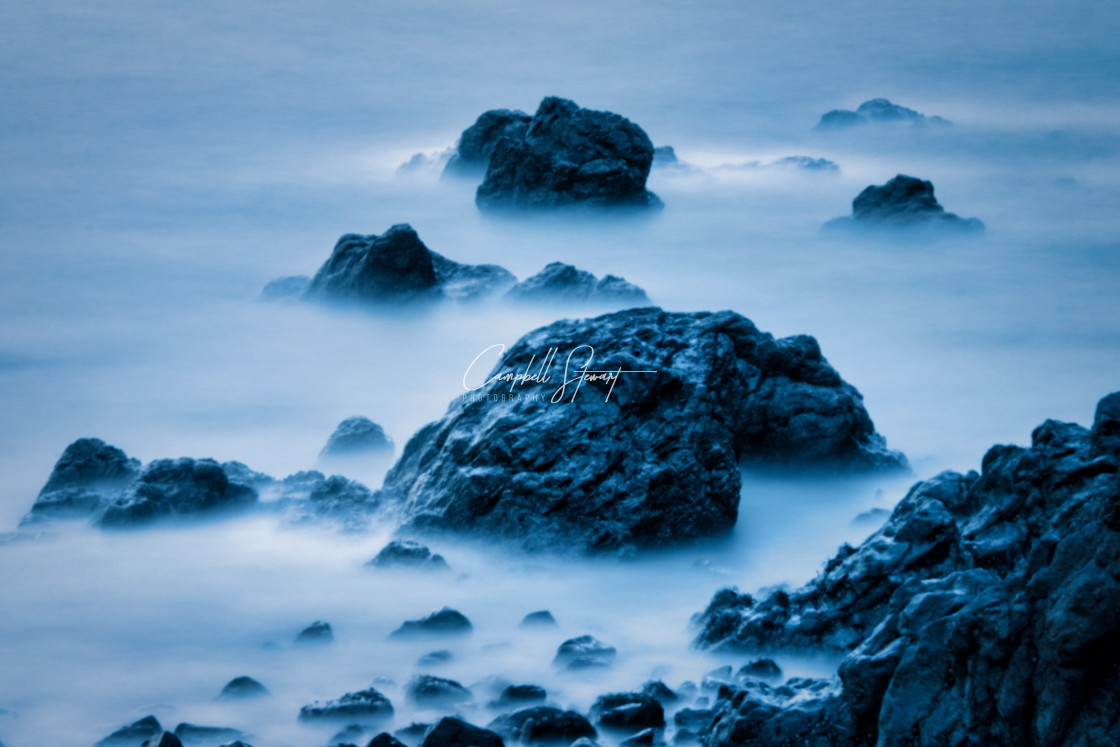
[[162, 164]]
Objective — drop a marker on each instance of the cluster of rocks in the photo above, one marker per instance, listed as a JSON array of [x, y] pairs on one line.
[[903, 202], [648, 458], [880, 112], [985, 611]]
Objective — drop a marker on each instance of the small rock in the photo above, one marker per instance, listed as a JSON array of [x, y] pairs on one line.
[[350, 734], [358, 436], [453, 732], [437, 692], [316, 632], [518, 695], [136, 732], [361, 706], [543, 725], [876, 111], [385, 739], [434, 657], [392, 268], [584, 652], [761, 669], [538, 619], [408, 554], [697, 719], [444, 622], [414, 733], [470, 283], [289, 288], [559, 283], [191, 733], [660, 692], [629, 712], [242, 687], [903, 202]]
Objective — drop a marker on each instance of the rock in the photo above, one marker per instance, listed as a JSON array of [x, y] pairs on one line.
[[644, 738], [664, 155], [903, 202], [629, 712], [360, 707], [343, 499], [585, 742], [872, 517], [518, 695], [133, 734], [408, 554], [650, 459], [288, 288], [316, 632], [357, 436], [351, 734], [166, 739], [392, 268], [538, 619], [435, 657], [413, 734], [697, 719], [177, 489], [421, 163], [876, 111], [247, 687], [453, 732], [660, 692], [443, 622], [584, 652], [470, 283], [385, 739], [1105, 435], [89, 473], [569, 156], [237, 743], [983, 612], [807, 163], [760, 669], [472, 154], [436, 692], [192, 734], [240, 474], [559, 283], [543, 725]]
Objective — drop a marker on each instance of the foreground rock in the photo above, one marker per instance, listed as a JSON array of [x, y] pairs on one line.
[[177, 489], [87, 476], [647, 459], [543, 725], [146, 728], [408, 554], [983, 612], [569, 156], [453, 732], [877, 111], [362, 707], [559, 283], [358, 436], [903, 202], [472, 154]]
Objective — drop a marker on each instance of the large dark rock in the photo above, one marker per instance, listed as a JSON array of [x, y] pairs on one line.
[[453, 732], [649, 459], [442, 622], [569, 156], [391, 268], [984, 612], [478, 141], [876, 111], [358, 436], [133, 734], [903, 202], [89, 473], [559, 283], [543, 725], [408, 554], [177, 489], [244, 687], [437, 692], [362, 707], [630, 712], [166, 739]]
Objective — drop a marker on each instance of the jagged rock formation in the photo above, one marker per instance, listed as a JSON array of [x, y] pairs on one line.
[[472, 154], [559, 283], [88, 475], [877, 111], [903, 202]]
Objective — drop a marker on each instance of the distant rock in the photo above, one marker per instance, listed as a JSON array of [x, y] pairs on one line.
[[288, 288], [807, 163], [569, 156], [358, 436], [872, 517], [443, 622], [658, 454], [425, 163], [392, 268], [408, 554], [903, 202], [559, 283], [453, 732], [877, 111], [584, 652], [472, 154], [983, 612], [193, 734], [244, 687], [360, 707], [309, 497], [543, 725], [177, 489], [385, 739], [470, 283], [133, 734], [629, 712], [166, 739], [519, 695], [760, 669], [538, 619], [432, 658], [430, 691], [89, 474], [316, 632], [664, 155]]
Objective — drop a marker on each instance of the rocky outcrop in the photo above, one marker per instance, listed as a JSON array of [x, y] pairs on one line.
[[362, 707], [647, 457], [567, 157], [472, 154], [133, 734], [470, 283], [408, 554], [559, 283], [88, 475], [177, 489], [392, 268], [584, 652], [358, 436], [984, 612], [903, 202], [877, 111]]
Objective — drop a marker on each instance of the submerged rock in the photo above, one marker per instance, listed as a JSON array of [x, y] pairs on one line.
[[193, 734], [391, 268], [559, 283], [629, 712], [362, 707], [584, 652], [983, 612], [569, 156], [89, 474], [470, 283], [442, 622], [357, 436], [244, 687], [518, 695], [472, 154], [430, 691], [146, 728], [876, 111], [177, 489], [650, 458], [453, 732], [903, 202], [316, 632], [543, 725], [288, 288], [538, 619], [408, 554]]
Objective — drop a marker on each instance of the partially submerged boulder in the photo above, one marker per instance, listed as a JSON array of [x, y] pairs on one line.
[[442, 622], [543, 725], [903, 202], [877, 111], [408, 554], [89, 473], [560, 283], [391, 268], [362, 707], [568, 157], [133, 734], [470, 283], [584, 652], [648, 457], [242, 687], [454, 732], [472, 154], [177, 489], [358, 436], [316, 632], [429, 691]]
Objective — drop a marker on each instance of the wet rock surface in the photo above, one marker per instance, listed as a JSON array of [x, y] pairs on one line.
[[903, 202], [646, 459], [543, 725], [472, 154], [983, 612], [362, 706]]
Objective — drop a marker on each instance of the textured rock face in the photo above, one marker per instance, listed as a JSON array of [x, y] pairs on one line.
[[453, 732], [876, 111], [408, 554], [177, 489], [984, 612], [478, 141], [469, 283], [543, 725], [357, 435], [392, 267], [646, 459], [363, 706], [570, 156], [89, 473], [904, 201], [559, 283]]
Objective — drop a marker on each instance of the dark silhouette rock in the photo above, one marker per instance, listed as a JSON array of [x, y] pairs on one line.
[[644, 738], [584, 652], [453, 732], [177, 489], [478, 141], [697, 719], [470, 283], [436, 692], [413, 734], [903, 202], [538, 619], [133, 734], [876, 111], [443, 622], [193, 734], [543, 725], [519, 695], [246, 687], [316, 632], [660, 692], [408, 554], [360, 707], [166, 739], [357, 435], [983, 612], [344, 499], [89, 474], [629, 712], [391, 268], [1105, 435], [288, 288], [658, 454], [385, 739], [559, 283], [569, 156], [760, 669]]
